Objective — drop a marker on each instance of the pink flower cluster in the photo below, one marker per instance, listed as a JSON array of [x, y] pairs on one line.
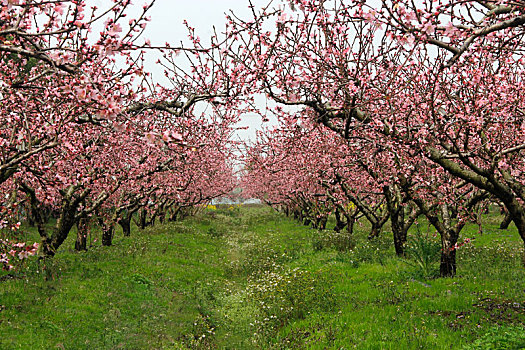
[[10, 250]]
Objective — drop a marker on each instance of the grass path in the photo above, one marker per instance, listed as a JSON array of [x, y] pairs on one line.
[[250, 278]]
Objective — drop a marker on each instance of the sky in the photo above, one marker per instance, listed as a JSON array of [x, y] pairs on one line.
[[167, 17]]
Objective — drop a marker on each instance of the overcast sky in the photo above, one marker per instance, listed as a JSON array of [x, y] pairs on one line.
[[167, 17], [167, 25]]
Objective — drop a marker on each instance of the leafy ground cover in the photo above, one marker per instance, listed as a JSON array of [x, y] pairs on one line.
[[244, 278]]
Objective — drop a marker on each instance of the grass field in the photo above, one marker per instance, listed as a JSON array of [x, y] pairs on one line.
[[250, 278]]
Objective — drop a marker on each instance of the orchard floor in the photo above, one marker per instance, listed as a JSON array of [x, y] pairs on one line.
[[250, 278]]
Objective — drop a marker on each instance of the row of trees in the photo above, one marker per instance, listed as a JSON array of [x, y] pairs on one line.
[[302, 170], [400, 109], [405, 109], [85, 132]]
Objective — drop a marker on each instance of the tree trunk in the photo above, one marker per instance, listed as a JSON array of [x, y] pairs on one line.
[[67, 217], [82, 232], [447, 267], [64, 224], [375, 231], [400, 239], [142, 218], [397, 217], [339, 224], [400, 226], [174, 214], [108, 231], [46, 245], [377, 224], [125, 223], [519, 221], [151, 222], [162, 216], [397, 225], [350, 224], [322, 222], [506, 221], [449, 238], [126, 227], [517, 213]]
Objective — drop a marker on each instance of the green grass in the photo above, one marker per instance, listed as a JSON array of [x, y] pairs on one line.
[[251, 278]]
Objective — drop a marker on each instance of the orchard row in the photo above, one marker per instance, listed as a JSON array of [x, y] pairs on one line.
[[387, 109], [87, 136], [391, 110]]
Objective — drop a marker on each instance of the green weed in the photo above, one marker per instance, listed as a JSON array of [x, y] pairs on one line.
[[422, 252], [500, 338], [248, 278]]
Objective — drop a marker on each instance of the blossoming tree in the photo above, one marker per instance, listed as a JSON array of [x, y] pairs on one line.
[[438, 81]]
